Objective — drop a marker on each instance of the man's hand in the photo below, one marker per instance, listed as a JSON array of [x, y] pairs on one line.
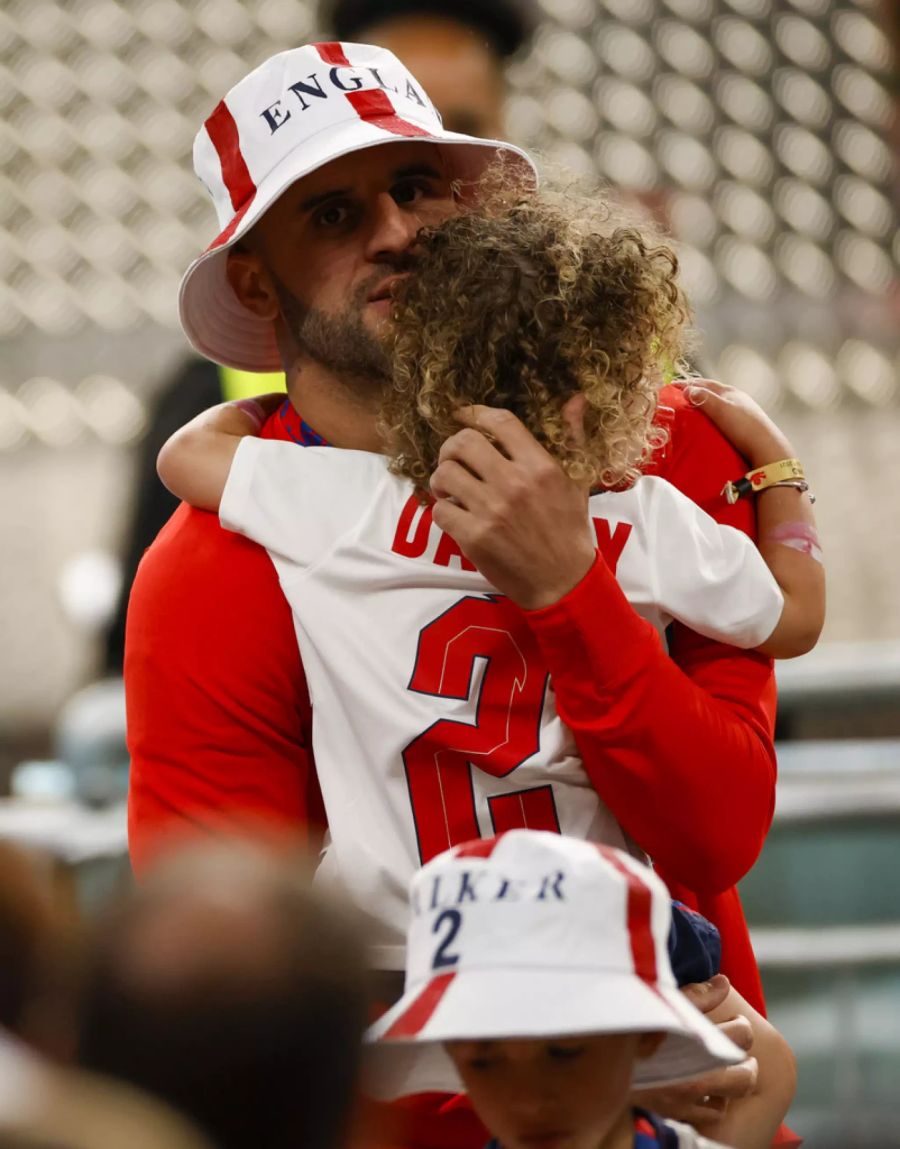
[[512, 509], [704, 1101]]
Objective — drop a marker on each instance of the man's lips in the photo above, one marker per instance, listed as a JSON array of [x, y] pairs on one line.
[[385, 289]]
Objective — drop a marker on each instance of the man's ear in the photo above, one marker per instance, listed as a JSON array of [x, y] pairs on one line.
[[251, 283], [648, 1043]]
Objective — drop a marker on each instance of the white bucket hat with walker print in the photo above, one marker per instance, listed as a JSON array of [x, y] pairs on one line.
[[531, 935], [287, 118]]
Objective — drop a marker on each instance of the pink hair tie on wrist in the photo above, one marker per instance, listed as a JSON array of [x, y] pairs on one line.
[[252, 410]]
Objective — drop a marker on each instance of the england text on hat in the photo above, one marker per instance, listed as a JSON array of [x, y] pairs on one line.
[[343, 79]]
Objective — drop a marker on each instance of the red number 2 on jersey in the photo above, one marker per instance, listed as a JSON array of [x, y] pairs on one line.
[[505, 733]]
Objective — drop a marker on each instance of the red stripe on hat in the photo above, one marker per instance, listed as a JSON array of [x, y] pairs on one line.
[[640, 900], [333, 53], [416, 1017], [479, 848], [223, 132], [229, 231], [372, 105]]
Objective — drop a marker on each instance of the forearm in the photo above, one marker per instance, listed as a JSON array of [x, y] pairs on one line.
[[689, 775], [786, 526], [789, 544], [194, 463], [751, 1122]]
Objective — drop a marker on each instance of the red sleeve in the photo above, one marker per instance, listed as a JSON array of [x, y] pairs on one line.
[[687, 774], [218, 711], [679, 748]]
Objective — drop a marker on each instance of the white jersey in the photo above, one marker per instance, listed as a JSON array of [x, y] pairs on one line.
[[434, 719]]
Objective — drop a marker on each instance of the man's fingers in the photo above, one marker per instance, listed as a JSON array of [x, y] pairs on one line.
[[451, 480], [740, 1031], [473, 451], [501, 426], [682, 1103], [707, 995], [448, 516], [731, 1083], [573, 417]]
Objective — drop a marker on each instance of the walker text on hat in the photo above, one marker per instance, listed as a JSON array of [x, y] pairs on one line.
[[448, 890]]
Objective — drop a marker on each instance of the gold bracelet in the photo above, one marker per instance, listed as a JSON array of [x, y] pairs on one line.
[[771, 475]]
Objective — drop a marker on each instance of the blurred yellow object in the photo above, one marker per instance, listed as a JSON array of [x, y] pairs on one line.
[[246, 384]]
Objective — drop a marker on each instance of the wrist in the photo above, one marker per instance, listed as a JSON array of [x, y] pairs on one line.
[[552, 591], [770, 451]]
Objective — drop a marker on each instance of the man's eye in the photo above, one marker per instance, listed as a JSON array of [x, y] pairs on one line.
[[408, 193], [332, 215]]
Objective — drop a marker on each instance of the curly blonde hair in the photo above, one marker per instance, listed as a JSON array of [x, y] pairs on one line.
[[523, 302]]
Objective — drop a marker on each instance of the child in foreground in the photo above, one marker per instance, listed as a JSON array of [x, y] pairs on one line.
[[537, 970]]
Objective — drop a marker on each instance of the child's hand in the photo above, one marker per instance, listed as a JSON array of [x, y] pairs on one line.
[[740, 419], [259, 409]]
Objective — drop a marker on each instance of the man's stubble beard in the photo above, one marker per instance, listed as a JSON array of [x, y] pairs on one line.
[[359, 359]]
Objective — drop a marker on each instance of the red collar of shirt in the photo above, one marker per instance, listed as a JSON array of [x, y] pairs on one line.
[[286, 424]]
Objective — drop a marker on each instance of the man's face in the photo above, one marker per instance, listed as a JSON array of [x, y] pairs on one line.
[[555, 1093], [336, 241]]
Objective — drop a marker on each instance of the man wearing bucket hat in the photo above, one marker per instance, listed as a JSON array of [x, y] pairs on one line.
[[538, 971], [323, 165], [296, 118]]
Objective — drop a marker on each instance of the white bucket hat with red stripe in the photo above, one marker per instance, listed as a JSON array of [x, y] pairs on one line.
[[531, 935], [291, 115]]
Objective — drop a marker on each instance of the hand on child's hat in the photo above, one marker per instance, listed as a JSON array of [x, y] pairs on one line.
[[704, 1101]]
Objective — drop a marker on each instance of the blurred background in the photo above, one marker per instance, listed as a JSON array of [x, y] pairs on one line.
[[764, 131]]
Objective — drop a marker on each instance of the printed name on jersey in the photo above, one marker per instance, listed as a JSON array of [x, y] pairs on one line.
[[417, 537]]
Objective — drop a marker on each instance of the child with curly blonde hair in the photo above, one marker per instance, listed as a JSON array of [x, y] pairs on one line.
[[524, 304]]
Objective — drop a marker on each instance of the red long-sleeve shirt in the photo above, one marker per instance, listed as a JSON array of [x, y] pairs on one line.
[[680, 748]]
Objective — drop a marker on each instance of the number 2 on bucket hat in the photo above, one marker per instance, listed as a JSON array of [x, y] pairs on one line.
[[529, 935], [287, 118]]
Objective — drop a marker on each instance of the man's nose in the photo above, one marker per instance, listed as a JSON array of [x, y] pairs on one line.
[[393, 229]]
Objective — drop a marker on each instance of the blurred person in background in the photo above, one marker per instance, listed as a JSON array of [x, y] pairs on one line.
[[458, 50], [38, 954], [43, 1106], [226, 987]]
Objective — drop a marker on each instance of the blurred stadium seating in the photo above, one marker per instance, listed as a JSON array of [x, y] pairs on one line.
[[825, 908]]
